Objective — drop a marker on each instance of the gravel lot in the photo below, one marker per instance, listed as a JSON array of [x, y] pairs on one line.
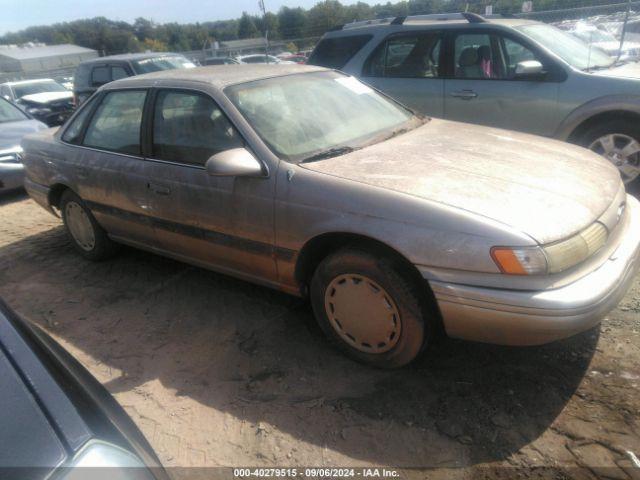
[[218, 372]]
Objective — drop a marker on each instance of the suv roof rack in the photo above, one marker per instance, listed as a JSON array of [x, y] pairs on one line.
[[441, 17]]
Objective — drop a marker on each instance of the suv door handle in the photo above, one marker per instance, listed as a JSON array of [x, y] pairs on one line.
[[464, 94], [159, 189]]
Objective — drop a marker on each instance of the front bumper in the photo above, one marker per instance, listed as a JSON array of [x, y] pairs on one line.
[[519, 317], [11, 176]]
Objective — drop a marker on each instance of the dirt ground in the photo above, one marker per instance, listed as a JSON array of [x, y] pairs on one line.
[[219, 372]]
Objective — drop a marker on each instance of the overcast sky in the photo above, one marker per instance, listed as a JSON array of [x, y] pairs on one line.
[[18, 14]]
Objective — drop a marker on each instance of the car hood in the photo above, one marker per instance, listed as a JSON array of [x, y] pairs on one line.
[[628, 70], [544, 188], [47, 97], [11, 133]]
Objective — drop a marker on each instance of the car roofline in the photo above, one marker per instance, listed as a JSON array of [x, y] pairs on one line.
[[207, 75], [430, 20]]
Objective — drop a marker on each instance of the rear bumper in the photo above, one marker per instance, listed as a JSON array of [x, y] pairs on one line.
[[39, 193], [517, 317], [11, 176]]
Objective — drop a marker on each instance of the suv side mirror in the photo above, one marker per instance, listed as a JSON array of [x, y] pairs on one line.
[[237, 162], [529, 68]]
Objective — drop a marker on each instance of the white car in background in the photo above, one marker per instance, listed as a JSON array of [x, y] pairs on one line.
[[604, 40], [261, 58]]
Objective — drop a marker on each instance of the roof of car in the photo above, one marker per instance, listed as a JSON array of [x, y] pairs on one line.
[[218, 76], [454, 19], [129, 56]]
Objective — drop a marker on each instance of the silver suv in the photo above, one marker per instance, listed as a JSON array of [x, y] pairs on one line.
[[510, 73]]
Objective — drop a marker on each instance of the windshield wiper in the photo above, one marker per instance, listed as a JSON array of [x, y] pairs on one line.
[[331, 152]]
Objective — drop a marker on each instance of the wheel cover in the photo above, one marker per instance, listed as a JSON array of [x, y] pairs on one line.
[[80, 226], [621, 150], [362, 313]]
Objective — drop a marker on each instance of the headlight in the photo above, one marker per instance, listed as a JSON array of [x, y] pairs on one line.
[[97, 456], [570, 252], [553, 257], [38, 111]]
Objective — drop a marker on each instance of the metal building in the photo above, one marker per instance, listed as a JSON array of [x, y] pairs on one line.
[[36, 59]]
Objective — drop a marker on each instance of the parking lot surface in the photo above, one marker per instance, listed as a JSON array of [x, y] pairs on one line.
[[219, 372]]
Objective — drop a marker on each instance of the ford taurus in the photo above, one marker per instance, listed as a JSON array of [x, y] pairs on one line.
[[395, 226]]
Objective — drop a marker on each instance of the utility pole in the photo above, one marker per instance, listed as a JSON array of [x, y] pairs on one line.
[[266, 29], [624, 30]]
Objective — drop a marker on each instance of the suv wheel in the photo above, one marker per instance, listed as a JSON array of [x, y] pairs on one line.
[[83, 230], [369, 308], [618, 142]]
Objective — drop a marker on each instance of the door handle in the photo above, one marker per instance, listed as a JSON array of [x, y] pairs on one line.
[[159, 189], [464, 94]]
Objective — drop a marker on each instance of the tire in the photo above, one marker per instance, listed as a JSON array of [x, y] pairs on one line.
[[378, 289], [87, 237], [621, 133]]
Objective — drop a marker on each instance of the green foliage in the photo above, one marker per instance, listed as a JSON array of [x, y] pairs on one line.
[[303, 26]]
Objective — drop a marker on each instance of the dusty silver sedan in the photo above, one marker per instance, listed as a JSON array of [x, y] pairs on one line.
[[303, 179]]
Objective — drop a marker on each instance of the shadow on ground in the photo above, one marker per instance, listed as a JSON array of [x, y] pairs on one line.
[[12, 196], [258, 356]]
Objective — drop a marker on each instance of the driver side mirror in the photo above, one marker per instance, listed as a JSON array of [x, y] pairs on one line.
[[237, 162], [529, 68]]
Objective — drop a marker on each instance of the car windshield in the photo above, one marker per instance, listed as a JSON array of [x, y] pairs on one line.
[[10, 113], [301, 116], [24, 89], [569, 48], [156, 64]]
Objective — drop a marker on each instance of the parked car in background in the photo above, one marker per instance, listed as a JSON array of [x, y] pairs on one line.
[[44, 99], [299, 59], [307, 180], [600, 38], [259, 58], [220, 61], [57, 420], [14, 124], [66, 82], [96, 72], [509, 73]]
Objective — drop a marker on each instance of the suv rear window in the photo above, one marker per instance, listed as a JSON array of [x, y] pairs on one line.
[[336, 52]]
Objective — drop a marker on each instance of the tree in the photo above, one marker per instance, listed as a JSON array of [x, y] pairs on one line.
[[325, 15], [292, 22], [154, 45], [247, 27]]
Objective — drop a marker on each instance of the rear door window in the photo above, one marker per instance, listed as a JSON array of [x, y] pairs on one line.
[[100, 76], [74, 131], [406, 56], [118, 72], [336, 52], [116, 124]]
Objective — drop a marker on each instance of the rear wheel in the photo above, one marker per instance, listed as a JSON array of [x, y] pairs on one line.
[[369, 308], [619, 142], [88, 238]]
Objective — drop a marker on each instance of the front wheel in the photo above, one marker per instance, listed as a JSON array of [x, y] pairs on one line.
[[88, 238], [618, 142], [369, 308]]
